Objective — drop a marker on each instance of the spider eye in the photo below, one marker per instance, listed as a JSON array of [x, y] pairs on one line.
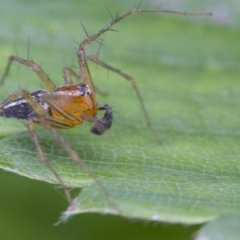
[[84, 89]]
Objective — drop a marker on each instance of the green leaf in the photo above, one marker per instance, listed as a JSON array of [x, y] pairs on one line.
[[187, 71]]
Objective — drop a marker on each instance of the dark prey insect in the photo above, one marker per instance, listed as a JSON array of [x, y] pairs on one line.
[[71, 104]]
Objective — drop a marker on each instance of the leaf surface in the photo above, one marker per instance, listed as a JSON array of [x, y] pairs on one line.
[[187, 71]]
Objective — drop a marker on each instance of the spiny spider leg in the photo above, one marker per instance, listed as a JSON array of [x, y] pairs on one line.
[[35, 67], [68, 73], [134, 85], [45, 161], [128, 13], [74, 156]]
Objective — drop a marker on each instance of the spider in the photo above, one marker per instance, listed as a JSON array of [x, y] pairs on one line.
[[70, 104]]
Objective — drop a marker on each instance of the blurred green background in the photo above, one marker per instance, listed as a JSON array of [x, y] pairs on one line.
[[28, 209]]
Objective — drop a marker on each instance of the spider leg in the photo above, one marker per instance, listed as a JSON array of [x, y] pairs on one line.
[[117, 19], [74, 156], [68, 73], [44, 160], [68, 117], [134, 85], [128, 13], [35, 67]]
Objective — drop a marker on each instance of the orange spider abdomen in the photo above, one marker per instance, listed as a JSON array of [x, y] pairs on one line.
[[76, 104]]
